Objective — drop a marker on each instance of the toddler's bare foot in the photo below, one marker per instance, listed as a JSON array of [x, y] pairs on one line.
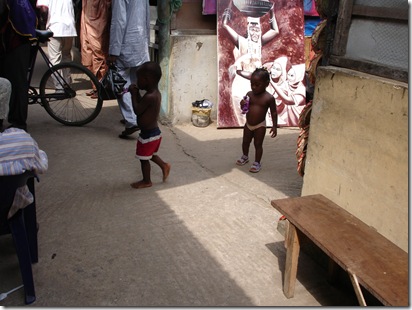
[[141, 184], [166, 171]]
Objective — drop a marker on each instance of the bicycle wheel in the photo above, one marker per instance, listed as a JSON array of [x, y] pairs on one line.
[[63, 91]]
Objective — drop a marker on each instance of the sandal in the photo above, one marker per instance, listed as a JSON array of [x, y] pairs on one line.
[[255, 167], [242, 160]]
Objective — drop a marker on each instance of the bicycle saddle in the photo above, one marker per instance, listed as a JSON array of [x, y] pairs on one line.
[[43, 35]]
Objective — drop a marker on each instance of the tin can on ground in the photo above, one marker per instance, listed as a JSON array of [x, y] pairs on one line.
[[201, 117]]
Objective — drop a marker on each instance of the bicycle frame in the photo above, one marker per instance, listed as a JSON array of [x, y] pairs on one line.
[[64, 87], [34, 96]]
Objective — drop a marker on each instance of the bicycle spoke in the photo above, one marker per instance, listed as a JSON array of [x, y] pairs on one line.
[[63, 92], [70, 109]]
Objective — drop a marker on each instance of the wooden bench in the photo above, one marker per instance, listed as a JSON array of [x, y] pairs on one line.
[[370, 259]]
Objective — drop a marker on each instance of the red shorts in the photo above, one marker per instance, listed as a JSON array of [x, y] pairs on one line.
[[148, 143]]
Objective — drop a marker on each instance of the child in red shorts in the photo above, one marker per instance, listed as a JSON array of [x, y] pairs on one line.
[[147, 110]]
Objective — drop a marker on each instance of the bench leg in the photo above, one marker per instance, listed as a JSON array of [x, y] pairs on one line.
[[357, 289], [292, 256]]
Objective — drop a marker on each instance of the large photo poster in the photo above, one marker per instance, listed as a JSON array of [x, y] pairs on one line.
[[260, 33]]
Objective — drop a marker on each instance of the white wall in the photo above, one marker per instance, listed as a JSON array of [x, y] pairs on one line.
[[192, 74]]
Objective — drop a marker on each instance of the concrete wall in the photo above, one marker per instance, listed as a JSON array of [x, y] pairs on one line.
[[192, 75], [358, 148]]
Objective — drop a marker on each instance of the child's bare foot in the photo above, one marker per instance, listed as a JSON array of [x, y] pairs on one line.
[[166, 171], [141, 184]]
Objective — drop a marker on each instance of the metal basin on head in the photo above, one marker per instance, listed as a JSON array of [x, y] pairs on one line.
[[253, 8]]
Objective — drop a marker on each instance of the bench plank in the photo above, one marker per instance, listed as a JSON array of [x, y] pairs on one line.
[[380, 266]]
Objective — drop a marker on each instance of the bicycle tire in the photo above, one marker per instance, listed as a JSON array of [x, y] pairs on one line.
[[66, 101]]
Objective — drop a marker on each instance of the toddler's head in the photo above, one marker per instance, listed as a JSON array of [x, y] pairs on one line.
[[259, 80]]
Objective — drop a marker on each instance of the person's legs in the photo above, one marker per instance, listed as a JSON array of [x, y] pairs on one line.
[[125, 101], [66, 46], [98, 59], [147, 147], [14, 68], [146, 182], [54, 48], [86, 51], [85, 45], [247, 139], [98, 64], [145, 164], [164, 166], [258, 142]]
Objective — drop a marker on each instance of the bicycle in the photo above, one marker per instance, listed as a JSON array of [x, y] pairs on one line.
[[63, 88]]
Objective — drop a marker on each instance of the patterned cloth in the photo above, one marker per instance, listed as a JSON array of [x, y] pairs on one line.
[[19, 153]]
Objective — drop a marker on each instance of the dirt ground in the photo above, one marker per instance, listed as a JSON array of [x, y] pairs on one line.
[[206, 237]]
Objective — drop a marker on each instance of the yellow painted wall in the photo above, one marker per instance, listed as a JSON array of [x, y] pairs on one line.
[[358, 148]]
